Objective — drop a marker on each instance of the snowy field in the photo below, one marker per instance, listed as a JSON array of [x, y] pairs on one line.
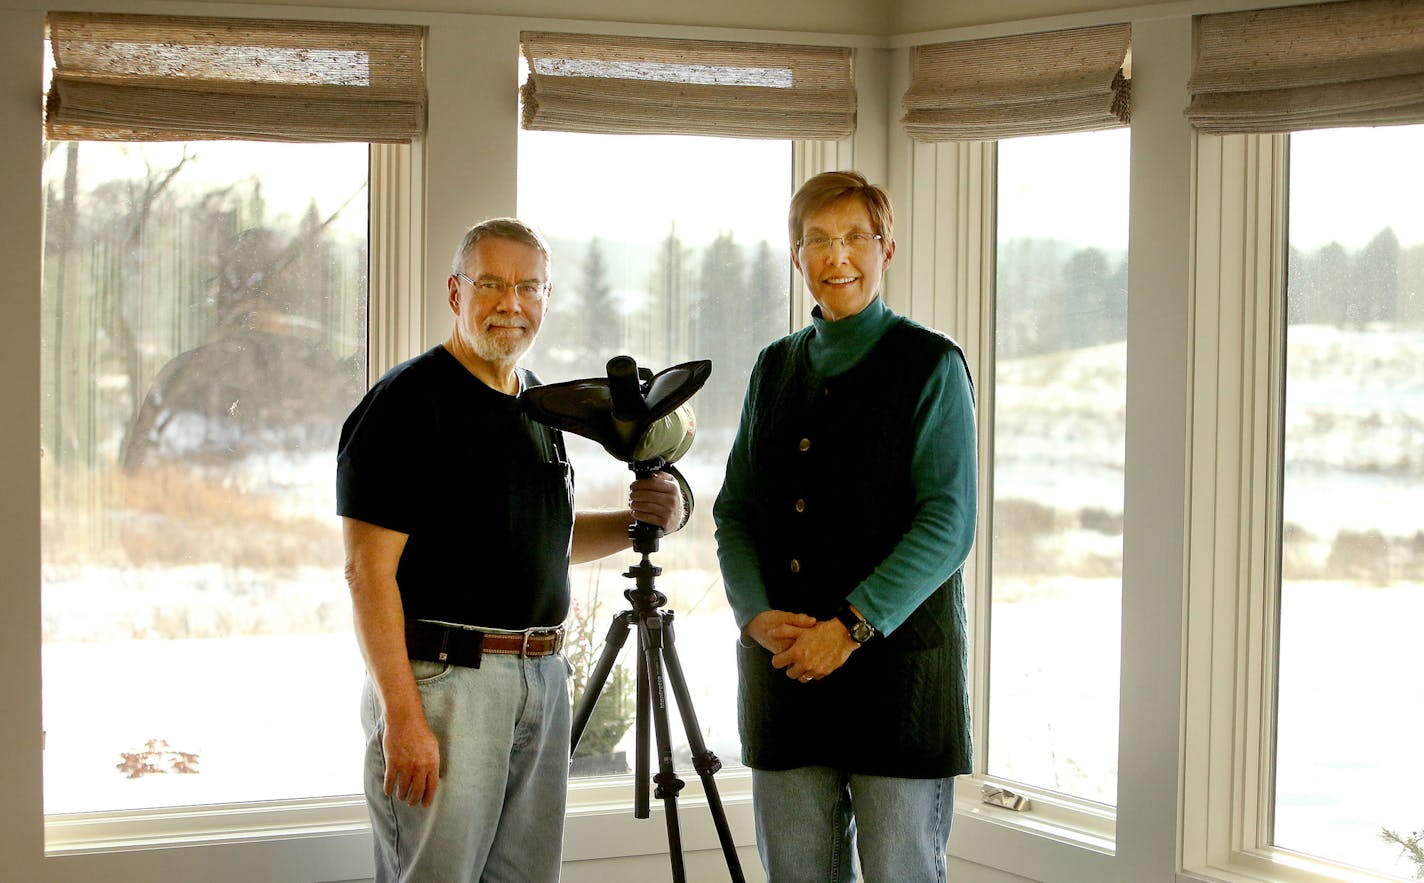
[[276, 717]]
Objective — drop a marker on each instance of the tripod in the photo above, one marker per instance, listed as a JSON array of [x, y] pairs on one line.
[[657, 654]]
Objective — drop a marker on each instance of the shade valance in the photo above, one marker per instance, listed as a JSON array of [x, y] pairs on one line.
[[618, 84], [1029, 84], [1357, 63], [178, 78]]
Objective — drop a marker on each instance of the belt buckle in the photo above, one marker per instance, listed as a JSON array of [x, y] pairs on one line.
[[556, 635]]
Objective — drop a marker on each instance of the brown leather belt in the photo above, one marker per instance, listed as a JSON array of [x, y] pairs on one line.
[[454, 645]]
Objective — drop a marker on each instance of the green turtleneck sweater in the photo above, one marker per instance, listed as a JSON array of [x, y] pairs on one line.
[[943, 470]]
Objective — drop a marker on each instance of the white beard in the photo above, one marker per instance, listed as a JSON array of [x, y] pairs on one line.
[[502, 347]]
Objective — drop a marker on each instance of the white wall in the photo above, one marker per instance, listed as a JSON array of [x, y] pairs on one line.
[[20, 238], [913, 16], [849, 17]]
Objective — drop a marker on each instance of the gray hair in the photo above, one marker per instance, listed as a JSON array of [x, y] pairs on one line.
[[499, 228]]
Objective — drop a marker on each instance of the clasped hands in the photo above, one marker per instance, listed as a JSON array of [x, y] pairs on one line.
[[805, 647]]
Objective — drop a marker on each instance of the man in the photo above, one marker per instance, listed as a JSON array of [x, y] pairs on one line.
[[459, 529]]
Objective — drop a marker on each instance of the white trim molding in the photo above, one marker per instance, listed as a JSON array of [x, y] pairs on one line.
[[1234, 520], [396, 315], [1236, 363]]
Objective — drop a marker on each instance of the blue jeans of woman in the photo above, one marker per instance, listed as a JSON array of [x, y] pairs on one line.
[[822, 825], [498, 813]]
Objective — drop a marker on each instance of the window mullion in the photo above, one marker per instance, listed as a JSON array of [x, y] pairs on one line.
[[1234, 505], [397, 266]]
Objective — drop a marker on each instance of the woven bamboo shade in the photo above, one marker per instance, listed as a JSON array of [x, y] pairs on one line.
[[165, 78], [1030, 84], [616, 84], [1358, 63]]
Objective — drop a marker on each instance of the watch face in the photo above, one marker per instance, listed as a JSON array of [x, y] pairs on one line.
[[861, 632]]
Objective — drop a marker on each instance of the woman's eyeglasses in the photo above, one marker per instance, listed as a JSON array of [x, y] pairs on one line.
[[857, 241]]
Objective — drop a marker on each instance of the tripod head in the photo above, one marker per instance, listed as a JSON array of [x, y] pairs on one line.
[[645, 536]]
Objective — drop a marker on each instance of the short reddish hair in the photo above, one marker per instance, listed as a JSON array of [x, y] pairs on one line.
[[828, 187]]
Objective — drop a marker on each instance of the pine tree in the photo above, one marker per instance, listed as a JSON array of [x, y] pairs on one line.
[[723, 320], [601, 318], [1376, 271], [665, 333]]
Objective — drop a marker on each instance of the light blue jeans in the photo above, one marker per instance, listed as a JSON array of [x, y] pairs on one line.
[[498, 813], [812, 824]]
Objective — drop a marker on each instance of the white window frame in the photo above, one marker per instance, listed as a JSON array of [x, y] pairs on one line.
[[957, 261], [396, 323], [1236, 366], [1234, 542], [947, 193]]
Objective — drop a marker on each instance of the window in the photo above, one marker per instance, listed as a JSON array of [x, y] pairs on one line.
[[668, 249], [204, 335], [1303, 491], [1059, 392], [1350, 702]]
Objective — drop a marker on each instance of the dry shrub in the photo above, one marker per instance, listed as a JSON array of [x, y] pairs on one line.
[[1024, 519], [1301, 553], [613, 712], [1032, 539], [178, 517], [1359, 555], [1100, 521]]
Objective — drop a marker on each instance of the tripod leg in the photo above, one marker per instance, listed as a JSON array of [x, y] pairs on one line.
[[651, 636], [641, 809], [612, 644], [704, 761]]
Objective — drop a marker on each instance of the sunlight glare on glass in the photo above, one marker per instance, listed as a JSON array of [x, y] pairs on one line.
[[1059, 387], [1374, 174], [1352, 519]]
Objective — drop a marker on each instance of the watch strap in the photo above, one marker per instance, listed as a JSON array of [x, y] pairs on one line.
[[860, 630]]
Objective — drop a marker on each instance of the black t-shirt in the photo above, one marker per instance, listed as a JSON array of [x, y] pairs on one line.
[[484, 493]]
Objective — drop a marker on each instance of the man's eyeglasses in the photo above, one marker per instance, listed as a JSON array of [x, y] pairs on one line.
[[490, 287], [857, 241]]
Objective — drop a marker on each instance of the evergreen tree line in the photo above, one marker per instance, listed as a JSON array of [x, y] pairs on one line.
[[1381, 282], [1051, 297]]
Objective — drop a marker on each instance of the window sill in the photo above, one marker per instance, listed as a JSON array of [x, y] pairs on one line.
[[1070, 821], [600, 812], [82, 833], [1058, 838], [1279, 866]]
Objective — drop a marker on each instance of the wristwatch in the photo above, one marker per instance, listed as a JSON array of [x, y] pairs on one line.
[[860, 630]]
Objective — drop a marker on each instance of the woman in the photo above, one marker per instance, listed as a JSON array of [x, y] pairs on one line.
[[846, 515]]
